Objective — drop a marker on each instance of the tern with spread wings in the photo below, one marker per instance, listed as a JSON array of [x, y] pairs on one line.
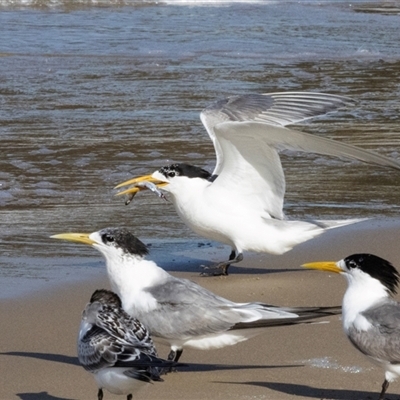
[[241, 202]]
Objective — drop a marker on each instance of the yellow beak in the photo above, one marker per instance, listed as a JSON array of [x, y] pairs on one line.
[[135, 189], [329, 266], [75, 237]]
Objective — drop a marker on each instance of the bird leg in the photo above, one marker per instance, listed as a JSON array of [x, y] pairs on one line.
[[385, 385], [222, 267], [100, 394], [129, 397], [232, 255], [174, 355]]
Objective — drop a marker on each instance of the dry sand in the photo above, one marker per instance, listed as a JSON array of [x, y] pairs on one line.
[[38, 339]]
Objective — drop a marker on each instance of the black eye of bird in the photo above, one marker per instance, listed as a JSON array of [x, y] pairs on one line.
[[353, 264], [171, 174], [107, 238]]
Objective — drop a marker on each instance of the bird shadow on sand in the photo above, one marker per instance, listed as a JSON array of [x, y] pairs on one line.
[[317, 393], [40, 396], [186, 367], [45, 356], [188, 256], [256, 271], [185, 264]]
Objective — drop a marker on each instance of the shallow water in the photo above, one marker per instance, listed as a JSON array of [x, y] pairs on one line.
[[99, 91]]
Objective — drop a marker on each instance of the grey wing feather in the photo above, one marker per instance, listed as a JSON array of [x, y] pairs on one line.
[[382, 341], [386, 317], [302, 315], [279, 109], [251, 156], [274, 109], [126, 329], [289, 139], [191, 310], [97, 350], [110, 337], [188, 308], [145, 375]]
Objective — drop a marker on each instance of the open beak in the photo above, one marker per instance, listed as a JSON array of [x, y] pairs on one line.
[[75, 237], [135, 181], [329, 266]]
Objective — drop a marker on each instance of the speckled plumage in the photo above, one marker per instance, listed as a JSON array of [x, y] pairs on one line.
[[115, 347]]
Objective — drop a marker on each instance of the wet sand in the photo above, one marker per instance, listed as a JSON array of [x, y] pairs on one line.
[[38, 339]]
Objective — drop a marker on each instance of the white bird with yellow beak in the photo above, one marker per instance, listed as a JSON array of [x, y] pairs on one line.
[[371, 317], [179, 311], [241, 202]]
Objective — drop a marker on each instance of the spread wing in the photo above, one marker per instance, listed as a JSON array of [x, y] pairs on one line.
[[248, 133], [251, 166], [273, 109]]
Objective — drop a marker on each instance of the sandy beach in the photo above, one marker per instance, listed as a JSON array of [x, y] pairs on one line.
[[38, 346], [94, 92]]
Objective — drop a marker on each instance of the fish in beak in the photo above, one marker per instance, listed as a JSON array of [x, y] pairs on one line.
[[141, 183]]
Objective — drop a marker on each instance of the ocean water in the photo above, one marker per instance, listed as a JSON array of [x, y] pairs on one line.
[[94, 92]]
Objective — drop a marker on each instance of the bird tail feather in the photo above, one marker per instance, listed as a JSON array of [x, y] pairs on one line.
[[301, 315]]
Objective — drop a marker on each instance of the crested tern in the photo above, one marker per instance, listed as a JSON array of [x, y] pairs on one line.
[[241, 203], [179, 311], [371, 317], [115, 347]]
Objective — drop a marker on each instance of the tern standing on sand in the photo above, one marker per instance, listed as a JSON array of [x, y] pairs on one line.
[[371, 317], [179, 311]]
